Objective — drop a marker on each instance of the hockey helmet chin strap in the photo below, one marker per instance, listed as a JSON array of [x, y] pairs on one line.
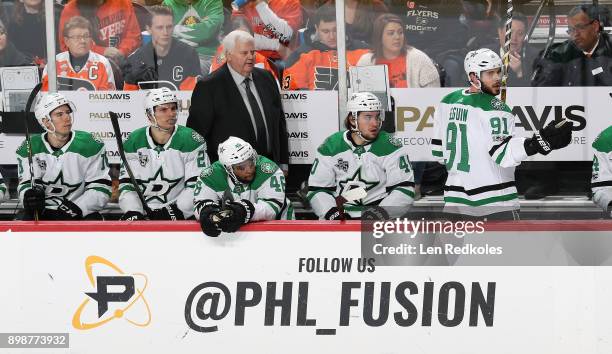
[[52, 132], [155, 125], [355, 129]]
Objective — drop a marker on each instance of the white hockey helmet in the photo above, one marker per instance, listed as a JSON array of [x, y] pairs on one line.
[[234, 151], [156, 97], [46, 103], [481, 60], [364, 102]]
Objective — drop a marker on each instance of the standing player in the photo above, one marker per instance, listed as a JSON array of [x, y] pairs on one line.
[[71, 180], [473, 137], [601, 182], [255, 183], [166, 160], [362, 156]]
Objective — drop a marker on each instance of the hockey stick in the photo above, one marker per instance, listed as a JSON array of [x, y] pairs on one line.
[[506, 59], [28, 107], [349, 196], [115, 122]]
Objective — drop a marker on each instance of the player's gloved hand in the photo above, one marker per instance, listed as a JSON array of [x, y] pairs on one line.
[[375, 212], [169, 212], [555, 135], [132, 216], [334, 214], [34, 200], [208, 225], [69, 211], [240, 213]]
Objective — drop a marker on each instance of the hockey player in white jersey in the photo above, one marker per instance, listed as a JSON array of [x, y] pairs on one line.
[[239, 188], [166, 159], [70, 167], [473, 137], [601, 181], [362, 156]]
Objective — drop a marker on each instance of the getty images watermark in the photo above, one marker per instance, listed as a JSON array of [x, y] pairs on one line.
[[436, 239]]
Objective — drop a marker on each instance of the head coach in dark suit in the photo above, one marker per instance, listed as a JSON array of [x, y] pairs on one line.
[[240, 100]]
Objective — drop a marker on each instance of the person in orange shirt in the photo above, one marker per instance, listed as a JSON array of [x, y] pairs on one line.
[[408, 66], [115, 29], [314, 65], [274, 24], [240, 23], [79, 68]]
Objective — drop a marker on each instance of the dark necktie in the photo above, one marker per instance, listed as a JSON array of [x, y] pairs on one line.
[[260, 127]]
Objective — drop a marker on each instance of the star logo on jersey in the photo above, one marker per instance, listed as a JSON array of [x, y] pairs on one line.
[[356, 181], [267, 168], [497, 103], [58, 187], [158, 187], [342, 165]]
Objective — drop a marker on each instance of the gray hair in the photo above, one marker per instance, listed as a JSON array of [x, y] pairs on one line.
[[229, 42]]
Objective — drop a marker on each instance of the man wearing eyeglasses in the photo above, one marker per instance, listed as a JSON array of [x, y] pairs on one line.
[[584, 59], [79, 68]]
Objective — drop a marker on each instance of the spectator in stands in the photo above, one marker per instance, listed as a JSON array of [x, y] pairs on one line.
[[9, 55], [240, 23], [314, 65], [427, 24], [408, 66], [164, 58], [478, 29], [27, 28], [359, 16], [79, 68], [115, 30], [197, 23], [519, 67], [274, 22], [582, 60]]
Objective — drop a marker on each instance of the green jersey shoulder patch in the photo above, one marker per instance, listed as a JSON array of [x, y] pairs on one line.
[[385, 144], [186, 139], [603, 142], [136, 140], [264, 169], [215, 177], [85, 144]]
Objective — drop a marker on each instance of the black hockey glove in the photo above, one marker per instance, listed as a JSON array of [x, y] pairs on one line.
[[133, 216], [69, 211], [208, 225], [34, 200], [169, 212], [240, 213], [552, 137], [334, 214], [374, 213]]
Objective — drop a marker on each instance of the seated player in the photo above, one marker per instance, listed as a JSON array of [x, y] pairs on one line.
[[362, 156], [473, 137], [166, 159], [79, 68], [601, 182], [254, 185], [70, 169]]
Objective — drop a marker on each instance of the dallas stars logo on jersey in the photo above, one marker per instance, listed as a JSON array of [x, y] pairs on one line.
[[158, 187]]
